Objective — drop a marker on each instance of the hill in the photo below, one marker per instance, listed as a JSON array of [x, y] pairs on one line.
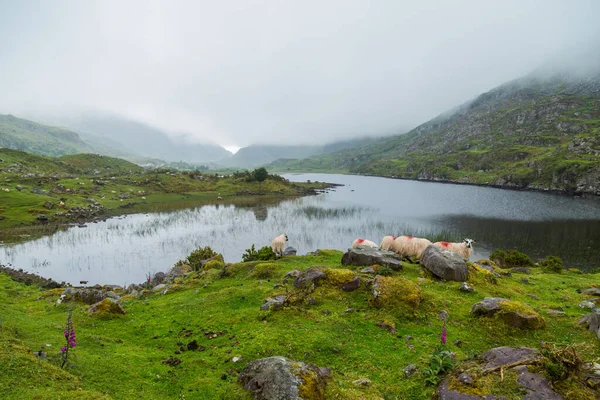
[[538, 132], [258, 155], [22, 134], [145, 140]]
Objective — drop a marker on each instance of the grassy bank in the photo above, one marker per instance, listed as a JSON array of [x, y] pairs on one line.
[[121, 357], [38, 194]]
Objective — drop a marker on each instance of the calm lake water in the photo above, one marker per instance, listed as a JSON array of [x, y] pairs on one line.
[[124, 249]]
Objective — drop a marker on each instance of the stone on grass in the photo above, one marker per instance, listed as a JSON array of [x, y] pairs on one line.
[[501, 356], [106, 306], [311, 276], [289, 251], [158, 288], [273, 303], [464, 287], [521, 270], [365, 256], [396, 293], [512, 313], [591, 292], [277, 378], [410, 370], [588, 305], [592, 322], [444, 264], [362, 382], [352, 285]]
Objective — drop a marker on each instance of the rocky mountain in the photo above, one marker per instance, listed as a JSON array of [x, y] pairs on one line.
[[21, 134], [538, 132], [145, 140]]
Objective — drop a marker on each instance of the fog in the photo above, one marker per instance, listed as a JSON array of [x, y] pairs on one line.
[[291, 72]]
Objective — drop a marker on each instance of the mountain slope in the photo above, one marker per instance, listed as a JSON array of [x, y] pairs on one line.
[[144, 140], [538, 132], [22, 134]]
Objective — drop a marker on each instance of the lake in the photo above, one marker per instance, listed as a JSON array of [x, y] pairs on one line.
[[123, 250]]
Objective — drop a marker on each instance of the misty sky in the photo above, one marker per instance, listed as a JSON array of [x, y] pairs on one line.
[[244, 72]]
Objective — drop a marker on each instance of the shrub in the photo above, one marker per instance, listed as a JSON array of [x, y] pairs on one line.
[[263, 254], [213, 264], [194, 258], [511, 259], [552, 264], [440, 362]]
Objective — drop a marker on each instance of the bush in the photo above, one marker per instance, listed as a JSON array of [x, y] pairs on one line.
[[552, 264], [263, 254], [440, 362], [511, 259], [194, 258], [213, 264]]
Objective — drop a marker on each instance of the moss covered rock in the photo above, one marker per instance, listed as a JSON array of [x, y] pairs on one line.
[[513, 313], [396, 293], [213, 264], [276, 378], [107, 306], [264, 270], [338, 276]]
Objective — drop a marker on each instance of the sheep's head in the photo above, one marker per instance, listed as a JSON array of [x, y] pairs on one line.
[[469, 242], [285, 236]]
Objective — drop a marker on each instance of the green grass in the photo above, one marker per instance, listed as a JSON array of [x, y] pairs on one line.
[[121, 357]]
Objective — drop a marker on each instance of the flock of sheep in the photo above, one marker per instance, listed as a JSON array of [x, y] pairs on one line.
[[410, 246], [406, 246]]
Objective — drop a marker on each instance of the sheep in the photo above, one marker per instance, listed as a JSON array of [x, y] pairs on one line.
[[6, 190], [464, 248], [61, 204], [363, 242], [409, 246], [387, 243], [278, 244]]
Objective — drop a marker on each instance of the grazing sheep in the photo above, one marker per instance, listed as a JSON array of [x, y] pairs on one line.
[[364, 242], [387, 243], [61, 204], [278, 244], [410, 246], [6, 190], [464, 248]]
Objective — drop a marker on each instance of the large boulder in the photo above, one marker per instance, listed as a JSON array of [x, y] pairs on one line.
[[365, 256], [277, 378], [501, 356], [513, 313], [444, 264], [289, 251], [592, 322], [396, 293], [87, 296]]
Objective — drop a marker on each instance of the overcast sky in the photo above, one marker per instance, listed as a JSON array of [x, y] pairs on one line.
[[281, 71]]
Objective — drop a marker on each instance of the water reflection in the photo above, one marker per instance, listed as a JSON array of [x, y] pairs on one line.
[[122, 250]]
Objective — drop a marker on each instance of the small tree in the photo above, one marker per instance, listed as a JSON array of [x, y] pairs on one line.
[[260, 175]]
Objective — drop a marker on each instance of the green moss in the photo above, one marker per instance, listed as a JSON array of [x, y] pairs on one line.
[[396, 293], [264, 270], [107, 306], [509, 307], [338, 276], [213, 264]]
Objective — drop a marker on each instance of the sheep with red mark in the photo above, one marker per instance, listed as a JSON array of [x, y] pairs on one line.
[[464, 248], [363, 242], [410, 246], [278, 244], [387, 243]]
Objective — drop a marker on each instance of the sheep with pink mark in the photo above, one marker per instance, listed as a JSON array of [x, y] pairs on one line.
[[464, 248], [410, 246], [387, 243], [364, 242]]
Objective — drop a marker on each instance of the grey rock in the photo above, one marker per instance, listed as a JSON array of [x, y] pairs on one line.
[[521, 270], [158, 278], [501, 356], [464, 287], [533, 296], [40, 354], [362, 382], [365, 256], [538, 387], [277, 378], [487, 307], [49, 205], [294, 273], [555, 312], [352, 285], [159, 287], [87, 296], [445, 393], [592, 322], [123, 196], [367, 270], [311, 276], [42, 217], [273, 303], [465, 378], [592, 292], [289, 251], [410, 370], [114, 307], [112, 295], [444, 264], [586, 304], [38, 191]]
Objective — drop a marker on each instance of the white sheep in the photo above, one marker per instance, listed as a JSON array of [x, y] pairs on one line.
[[464, 248], [387, 243], [6, 190], [410, 246], [364, 242], [61, 204], [278, 244]]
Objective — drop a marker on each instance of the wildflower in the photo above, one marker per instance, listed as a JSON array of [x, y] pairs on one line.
[[444, 336], [63, 349]]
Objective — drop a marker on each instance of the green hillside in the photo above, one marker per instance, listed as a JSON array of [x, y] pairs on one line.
[[532, 133], [21, 134]]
